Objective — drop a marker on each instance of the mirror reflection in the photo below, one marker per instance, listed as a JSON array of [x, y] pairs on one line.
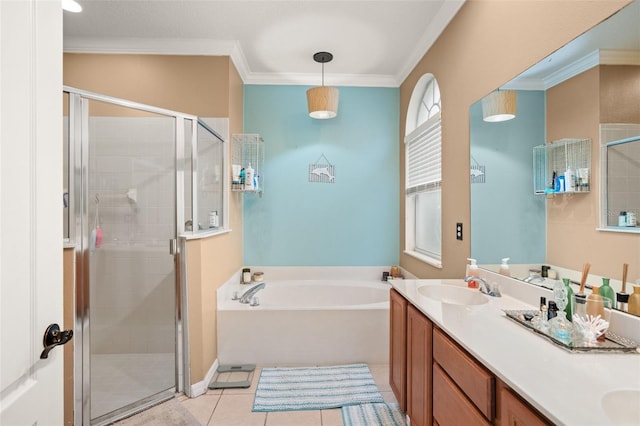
[[508, 220]]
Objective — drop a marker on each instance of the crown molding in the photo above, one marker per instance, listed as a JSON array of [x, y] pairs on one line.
[[146, 46], [445, 14], [590, 60]]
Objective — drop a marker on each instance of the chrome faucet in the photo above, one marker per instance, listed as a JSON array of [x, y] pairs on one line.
[[534, 278], [246, 297], [484, 286]]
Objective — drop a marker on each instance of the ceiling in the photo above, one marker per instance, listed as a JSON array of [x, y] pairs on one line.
[[374, 43]]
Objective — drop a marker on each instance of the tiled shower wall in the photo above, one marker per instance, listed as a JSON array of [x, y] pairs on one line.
[[623, 188]]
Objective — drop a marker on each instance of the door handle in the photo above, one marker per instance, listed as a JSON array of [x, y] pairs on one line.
[[53, 337]]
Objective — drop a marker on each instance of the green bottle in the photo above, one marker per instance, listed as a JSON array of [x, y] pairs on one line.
[[568, 309], [607, 292]]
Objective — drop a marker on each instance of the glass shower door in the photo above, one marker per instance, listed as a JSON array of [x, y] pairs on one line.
[[131, 217]]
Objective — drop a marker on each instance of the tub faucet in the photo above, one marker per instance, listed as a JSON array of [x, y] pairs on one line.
[[246, 297], [484, 286]]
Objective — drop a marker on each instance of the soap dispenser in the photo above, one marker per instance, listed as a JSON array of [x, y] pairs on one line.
[[504, 267], [472, 271], [472, 268]]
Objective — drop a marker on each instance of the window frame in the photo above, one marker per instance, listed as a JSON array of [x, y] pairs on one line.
[[423, 140]]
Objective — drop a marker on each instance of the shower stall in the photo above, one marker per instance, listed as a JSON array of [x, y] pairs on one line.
[[126, 201]]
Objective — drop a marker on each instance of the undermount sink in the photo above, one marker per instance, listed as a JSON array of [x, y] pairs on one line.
[[621, 406], [453, 295]]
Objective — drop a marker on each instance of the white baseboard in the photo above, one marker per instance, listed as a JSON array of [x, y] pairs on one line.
[[201, 387]]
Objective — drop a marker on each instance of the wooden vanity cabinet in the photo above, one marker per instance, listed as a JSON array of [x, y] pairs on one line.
[[398, 348], [437, 382], [419, 372], [472, 378], [513, 411], [450, 405]]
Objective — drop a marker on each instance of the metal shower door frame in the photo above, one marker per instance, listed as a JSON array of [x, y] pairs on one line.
[[79, 236]]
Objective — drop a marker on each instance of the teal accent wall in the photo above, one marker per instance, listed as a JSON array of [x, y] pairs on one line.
[[352, 222], [507, 218]]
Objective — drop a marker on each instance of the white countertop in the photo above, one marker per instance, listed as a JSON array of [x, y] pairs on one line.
[[566, 387]]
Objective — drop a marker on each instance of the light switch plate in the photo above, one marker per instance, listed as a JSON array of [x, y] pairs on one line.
[[459, 231]]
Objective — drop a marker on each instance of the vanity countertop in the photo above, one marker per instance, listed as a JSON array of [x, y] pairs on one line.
[[568, 388]]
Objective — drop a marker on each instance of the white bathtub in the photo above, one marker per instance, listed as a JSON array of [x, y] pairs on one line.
[[305, 322]]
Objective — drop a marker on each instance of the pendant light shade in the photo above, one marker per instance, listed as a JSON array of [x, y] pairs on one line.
[[322, 101], [499, 106], [71, 6]]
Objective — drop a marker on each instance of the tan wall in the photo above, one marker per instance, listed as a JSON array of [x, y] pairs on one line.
[[200, 85], [485, 45], [574, 110], [620, 94]]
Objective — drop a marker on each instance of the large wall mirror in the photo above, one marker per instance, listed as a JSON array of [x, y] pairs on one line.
[[507, 218]]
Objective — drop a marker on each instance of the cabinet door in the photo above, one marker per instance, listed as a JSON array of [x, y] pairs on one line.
[[450, 405], [419, 359], [514, 412], [398, 348]]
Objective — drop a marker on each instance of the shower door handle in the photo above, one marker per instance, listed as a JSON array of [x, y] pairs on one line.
[[53, 337], [173, 246]]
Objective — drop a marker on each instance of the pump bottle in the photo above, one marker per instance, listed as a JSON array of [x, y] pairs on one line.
[[504, 267]]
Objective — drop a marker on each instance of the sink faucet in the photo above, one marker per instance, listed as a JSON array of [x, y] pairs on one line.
[[484, 286], [534, 278], [246, 297]]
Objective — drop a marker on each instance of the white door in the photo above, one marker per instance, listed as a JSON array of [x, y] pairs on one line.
[[31, 389]]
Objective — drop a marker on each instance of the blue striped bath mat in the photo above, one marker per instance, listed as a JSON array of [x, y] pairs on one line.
[[373, 415], [315, 388]]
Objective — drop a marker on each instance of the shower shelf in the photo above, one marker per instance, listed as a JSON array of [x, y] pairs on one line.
[[247, 150]]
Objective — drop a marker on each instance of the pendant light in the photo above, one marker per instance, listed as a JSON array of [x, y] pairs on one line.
[[71, 6], [323, 101], [499, 106]]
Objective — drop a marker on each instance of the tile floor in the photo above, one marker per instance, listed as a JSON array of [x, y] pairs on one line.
[[232, 407]]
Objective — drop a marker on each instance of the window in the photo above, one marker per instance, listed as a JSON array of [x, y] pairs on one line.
[[423, 151]]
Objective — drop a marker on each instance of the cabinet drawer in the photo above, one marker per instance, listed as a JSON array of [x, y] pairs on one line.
[[450, 406], [514, 412], [473, 379]]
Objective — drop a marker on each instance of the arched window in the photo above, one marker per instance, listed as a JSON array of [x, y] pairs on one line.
[[423, 163]]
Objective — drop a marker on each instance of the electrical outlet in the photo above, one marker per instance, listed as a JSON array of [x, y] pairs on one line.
[[459, 231]]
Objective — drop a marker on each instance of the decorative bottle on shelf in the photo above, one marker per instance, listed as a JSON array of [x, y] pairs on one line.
[[634, 301], [562, 294], [595, 303], [607, 292], [560, 326]]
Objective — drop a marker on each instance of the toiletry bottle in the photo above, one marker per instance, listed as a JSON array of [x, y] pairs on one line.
[[504, 267], [248, 182], [607, 292], [569, 180], [631, 219], [622, 219], [595, 303], [472, 271], [213, 219], [634, 300], [246, 275], [545, 271], [552, 310], [568, 309]]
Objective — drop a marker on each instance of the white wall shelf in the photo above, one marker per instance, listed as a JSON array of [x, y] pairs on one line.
[[247, 153], [552, 161]]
